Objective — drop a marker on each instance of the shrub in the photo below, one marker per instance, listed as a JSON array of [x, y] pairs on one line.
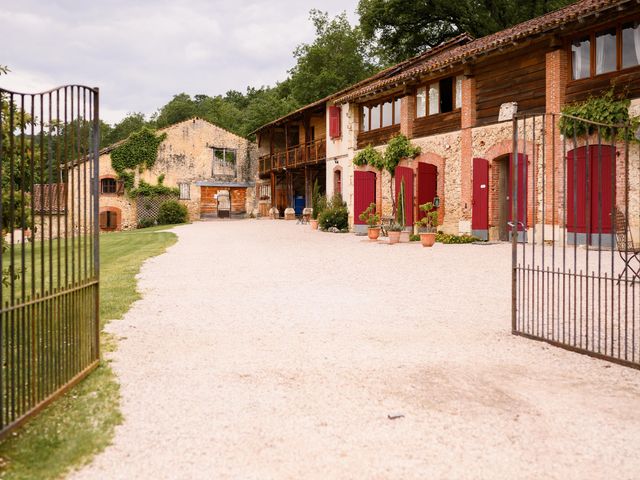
[[336, 215], [370, 217], [318, 201], [430, 220], [147, 222], [450, 238], [369, 156], [172, 212], [414, 238]]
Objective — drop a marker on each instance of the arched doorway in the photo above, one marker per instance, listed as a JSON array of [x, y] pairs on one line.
[[501, 200], [427, 185]]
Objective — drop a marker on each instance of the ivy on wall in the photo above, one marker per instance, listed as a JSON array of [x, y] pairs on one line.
[[145, 189], [139, 151], [608, 109]]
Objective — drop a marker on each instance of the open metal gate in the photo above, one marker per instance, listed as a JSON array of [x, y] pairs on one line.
[[49, 322], [576, 271]]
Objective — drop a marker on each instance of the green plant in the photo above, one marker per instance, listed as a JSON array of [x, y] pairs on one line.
[[455, 239], [369, 156], [139, 150], [609, 109], [400, 212], [128, 179], [318, 201], [146, 223], [430, 221], [414, 238], [370, 217], [336, 215], [145, 189], [399, 147], [172, 212], [395, 227]]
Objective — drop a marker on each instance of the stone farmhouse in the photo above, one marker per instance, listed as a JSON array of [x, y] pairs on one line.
[[197, 157], [456, 102]]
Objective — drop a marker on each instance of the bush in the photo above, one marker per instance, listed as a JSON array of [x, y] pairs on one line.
[[414, 238], [450, 238], [336, 215], [172, 212], [146, 223]]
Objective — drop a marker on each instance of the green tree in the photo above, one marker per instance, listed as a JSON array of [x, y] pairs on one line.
[[336, 59], [121, 130], [402, 29], [180, 108]]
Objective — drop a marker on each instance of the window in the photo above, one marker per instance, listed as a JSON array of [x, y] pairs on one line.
[[108, 186], [421, 102], [459, 91], [630, 46], [606, 51], [185, 191], [375, 117], [446, 95], [223, 156], [109, 219], [434, 98], [381, 115], [337, 181], [580, 58]]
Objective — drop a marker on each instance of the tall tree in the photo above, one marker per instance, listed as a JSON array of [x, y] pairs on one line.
[[121, 130], [402, 29], [336, 59]]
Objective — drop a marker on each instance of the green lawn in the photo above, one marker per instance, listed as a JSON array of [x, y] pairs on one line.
[[81, 423]]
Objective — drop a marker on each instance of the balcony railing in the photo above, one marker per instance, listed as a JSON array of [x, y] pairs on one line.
[[298, 156]]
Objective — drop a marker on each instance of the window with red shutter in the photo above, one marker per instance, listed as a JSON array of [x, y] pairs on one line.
[[334, 122]]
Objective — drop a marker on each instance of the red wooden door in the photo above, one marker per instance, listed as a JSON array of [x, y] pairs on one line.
[[427, 185], [405, 173], [522, 190], [480, 201], [590, 189], [364, 193]]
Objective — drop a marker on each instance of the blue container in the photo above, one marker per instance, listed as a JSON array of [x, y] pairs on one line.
[[298, 204]]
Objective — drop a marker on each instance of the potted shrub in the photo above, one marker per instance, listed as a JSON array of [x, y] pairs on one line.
[[394, 231], [428, 225], [372, 219]]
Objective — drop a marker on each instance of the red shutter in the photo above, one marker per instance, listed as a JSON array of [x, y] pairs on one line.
[[334, 122]]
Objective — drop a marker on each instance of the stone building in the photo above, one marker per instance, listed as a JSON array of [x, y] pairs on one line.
[[197, 157], [456, 102]]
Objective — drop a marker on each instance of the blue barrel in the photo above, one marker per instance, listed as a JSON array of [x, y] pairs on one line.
[[298, 204]]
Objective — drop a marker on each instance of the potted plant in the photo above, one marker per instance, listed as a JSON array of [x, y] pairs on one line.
[[394, 231], [401, 215], [372, 219], [428, 224]]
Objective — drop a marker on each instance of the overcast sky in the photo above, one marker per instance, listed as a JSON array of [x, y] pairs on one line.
[[142, 52]]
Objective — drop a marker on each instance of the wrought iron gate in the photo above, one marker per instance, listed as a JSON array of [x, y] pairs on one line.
[[576, 239], [49, 322]]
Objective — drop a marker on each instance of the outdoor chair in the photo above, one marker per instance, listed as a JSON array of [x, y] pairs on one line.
[[629, 252]]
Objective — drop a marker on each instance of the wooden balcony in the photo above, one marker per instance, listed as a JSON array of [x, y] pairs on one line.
[[298, 156]]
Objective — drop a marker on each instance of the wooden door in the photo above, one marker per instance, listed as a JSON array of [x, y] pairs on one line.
[[427, 185], [521, 201], [406, 174], [480, 200], [238, 200], [208, 202], [590, 189], [364, 193]]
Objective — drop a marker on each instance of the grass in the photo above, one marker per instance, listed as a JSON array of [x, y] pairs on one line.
[[81, 423]]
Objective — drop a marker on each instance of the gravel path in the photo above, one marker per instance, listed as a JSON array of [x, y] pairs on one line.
[[265, 350]]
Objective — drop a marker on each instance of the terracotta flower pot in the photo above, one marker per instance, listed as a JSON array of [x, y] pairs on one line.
[[314, 224], [373, 232], [427, 239], [404, 236], [394, 237]]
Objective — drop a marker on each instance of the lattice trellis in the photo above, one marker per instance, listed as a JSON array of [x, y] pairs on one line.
[[148, 208]]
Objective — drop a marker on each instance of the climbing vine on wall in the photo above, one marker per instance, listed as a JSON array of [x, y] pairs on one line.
[[140, 150], [607, 109]]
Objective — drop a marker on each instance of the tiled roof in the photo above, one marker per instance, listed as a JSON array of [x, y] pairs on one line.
[[543, 24], [387, 72]]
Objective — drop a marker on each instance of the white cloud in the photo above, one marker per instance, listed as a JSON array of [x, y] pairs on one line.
[[140, 53]]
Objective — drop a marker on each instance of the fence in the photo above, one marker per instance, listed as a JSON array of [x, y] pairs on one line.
[[49, 322], [575, 231]]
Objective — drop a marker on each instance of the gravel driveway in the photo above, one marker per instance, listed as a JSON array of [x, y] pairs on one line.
[[263, 349]]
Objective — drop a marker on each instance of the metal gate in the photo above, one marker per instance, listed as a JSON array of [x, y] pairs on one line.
[[576, 272], [49, 322]]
